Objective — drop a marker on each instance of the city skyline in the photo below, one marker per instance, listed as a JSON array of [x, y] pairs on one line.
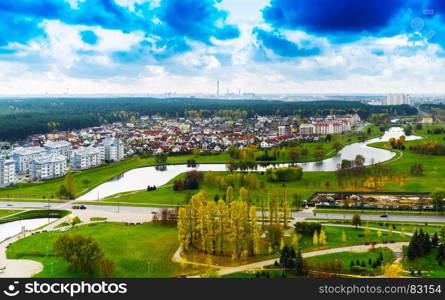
[[185, 47]]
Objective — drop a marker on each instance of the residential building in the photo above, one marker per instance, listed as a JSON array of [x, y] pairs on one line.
[[48, 166], [7, 171], [86, 158], [59, 147], [24, 156], [284, 130], [397, 99], [112, 149], [307, 129]]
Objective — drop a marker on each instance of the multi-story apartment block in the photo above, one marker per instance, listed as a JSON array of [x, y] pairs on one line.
[[59, 147], [86, 158], [307, 129], [7, 171], [48, 166], [284, 130], [112, 149], [24, 156]]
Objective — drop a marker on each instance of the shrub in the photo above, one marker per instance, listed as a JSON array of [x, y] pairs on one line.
[[284, 174], [106, 268], [307, 228]]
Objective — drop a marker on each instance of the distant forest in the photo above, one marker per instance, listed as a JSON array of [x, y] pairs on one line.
[[20, 118]]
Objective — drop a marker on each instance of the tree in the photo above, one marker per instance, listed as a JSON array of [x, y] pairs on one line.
[[356, 221], [337, 146], [106, 268], [297, 201], [161, 158], [293, 154], [315, 239], [393, 270], [437, 198], [74, 220], [319, 153], [196, 153], [70, 186], [344, 237], [229, 194], [359, 161], [82, 254], [300, 268], [322, 238]]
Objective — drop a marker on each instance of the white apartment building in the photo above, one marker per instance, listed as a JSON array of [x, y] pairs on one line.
[[24, 156], [284, 130], [59, 147], [7, 171], [86, 158], [48, 166], [307, 129], [397, 99], [112, 149]]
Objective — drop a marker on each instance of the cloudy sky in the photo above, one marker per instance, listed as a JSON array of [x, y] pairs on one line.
[[184, 46]]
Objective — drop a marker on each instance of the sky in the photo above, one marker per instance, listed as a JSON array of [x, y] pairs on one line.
[[251, 46]]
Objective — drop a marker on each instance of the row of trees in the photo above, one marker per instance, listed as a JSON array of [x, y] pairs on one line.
[[219, 228], [428, 148], [421, 244]]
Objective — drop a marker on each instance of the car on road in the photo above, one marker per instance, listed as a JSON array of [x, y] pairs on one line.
[[384, 216], [82, 207]]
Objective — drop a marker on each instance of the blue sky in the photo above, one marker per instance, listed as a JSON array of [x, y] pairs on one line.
[[184, 46]]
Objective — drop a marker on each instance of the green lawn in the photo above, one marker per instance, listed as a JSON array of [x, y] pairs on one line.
[[355, 257], [35, 214], [137, 251], [354, 237], [394, 225], [7, 212]]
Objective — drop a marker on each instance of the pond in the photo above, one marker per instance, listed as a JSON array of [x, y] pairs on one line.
[[139, 179], [11, 229]]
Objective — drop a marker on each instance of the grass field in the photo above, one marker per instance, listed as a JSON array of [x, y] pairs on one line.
[[34, 214], [356, 258], [137, 251], [7, 212]]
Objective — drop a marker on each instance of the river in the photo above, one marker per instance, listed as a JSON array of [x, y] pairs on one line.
[[140, 178]]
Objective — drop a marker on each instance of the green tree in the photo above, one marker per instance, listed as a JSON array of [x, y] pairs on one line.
[[293, 154], [82, 254], [356, 221], [70, 186], [437, 198]]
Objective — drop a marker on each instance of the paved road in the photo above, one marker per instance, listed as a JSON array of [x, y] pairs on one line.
[[302, 215]]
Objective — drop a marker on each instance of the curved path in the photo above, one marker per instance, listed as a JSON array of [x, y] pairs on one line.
[[22, 268]]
